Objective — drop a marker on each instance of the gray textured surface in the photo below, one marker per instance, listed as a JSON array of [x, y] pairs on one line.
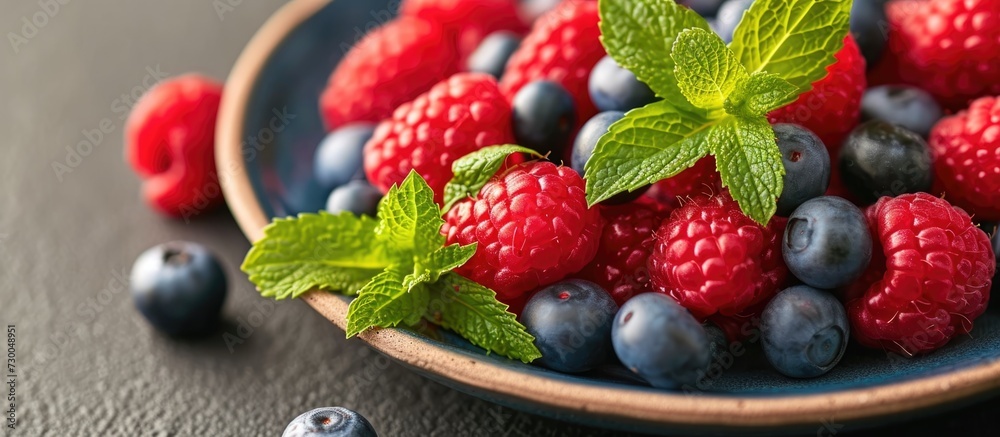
[[90, 365]]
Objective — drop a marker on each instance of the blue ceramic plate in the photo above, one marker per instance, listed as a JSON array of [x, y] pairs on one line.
[[265, 163]]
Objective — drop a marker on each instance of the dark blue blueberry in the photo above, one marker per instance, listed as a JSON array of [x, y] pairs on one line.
[[179, 287], [881, 159], [330, 422], [705, 8], [586, 141], [613, 88], [870, 26], [571, 322], [544, 117], [909, 107], [827, 243], [807, 166], [661, 341], [358, 197], [339, 157], [804, 332], [492, 54], [729, 16]]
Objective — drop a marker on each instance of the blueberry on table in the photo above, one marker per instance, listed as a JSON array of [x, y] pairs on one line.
[[492, 54], [869, 25], [882, 159], [807, 166], [659, 340], [613, 88], [339, 158], [179, 287], [804, 332], [358, 197], [827, 243], [906, 106], [330, 422], [544, 115], [571, 322], [730, 14]]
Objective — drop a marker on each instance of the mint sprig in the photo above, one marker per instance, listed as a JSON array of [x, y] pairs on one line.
[[716, 97]]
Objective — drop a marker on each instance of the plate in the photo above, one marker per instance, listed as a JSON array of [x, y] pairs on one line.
[[268, 129]]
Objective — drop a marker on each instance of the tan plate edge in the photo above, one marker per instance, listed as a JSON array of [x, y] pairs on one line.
[[650, 406]]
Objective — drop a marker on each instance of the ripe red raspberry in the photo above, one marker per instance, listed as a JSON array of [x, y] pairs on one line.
[[454, 118], [170, 143], [468, 21], [533, 228], [966, 149], [388, 67], [833, 107], [929, 278], [563, 46], [702, 179], [713, 259], [947, 47], [626, 242]]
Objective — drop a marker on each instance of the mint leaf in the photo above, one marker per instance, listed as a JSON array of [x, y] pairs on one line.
[[385, 302], [639, 35], [761, 94], [409, 220], [750, 164], [438, 263], [795, 39], [706, 70], [650, 144], [472, 311], [472, 171], [333, 252]]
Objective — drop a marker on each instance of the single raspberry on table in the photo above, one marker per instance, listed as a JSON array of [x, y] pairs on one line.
[[833, 107], [947, 47], [468, 22], [931, 271], [702, 179], [170, 143], [458, 116], [966, 149], [532, 226], [388, 67], [563, 46], [713, 259], [626, 242]]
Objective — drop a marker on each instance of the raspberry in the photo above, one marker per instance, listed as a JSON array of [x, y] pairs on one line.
[[929, 277], [626, 242], [468, 21], [532, 226], [833, 107], [563, 46], [947, 47], [702, 179], [713, 259], [388, 67], [454, 118], [170, 142], [966, 149]]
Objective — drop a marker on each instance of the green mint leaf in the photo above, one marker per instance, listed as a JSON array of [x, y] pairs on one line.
[[639, 35], [438, 263], [473, 311], [386, 302], [409, 220], [332, 252], [707, 71], [761, 94], [795, 39], [650, 144], [750, 163], [472, 171]]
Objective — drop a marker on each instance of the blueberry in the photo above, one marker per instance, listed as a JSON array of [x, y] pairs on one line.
[[358, 197], [179, 287], [807, 166], [827, 243], [909, 107], [869, 25], [730, 14], [586, 141], [571, 322], [613, 88], [804, 332], [340, 155], [492, 54], [544, 117], [532, 9], [661, 341], [330, 422], [705, 8], [881, 159]]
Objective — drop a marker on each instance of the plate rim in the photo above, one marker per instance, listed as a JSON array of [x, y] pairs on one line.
[[622, 404]]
